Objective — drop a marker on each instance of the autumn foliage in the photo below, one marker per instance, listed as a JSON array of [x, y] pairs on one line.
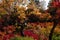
[[17, 21]]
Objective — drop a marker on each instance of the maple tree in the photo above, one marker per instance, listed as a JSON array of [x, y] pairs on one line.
[[54, 11], [12, 12]]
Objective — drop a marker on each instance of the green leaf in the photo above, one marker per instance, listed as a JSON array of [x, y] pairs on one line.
[[22, 38]]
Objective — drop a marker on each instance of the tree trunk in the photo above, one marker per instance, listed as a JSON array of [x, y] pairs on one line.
[[23, 25], [21, 31], [52, 30]]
